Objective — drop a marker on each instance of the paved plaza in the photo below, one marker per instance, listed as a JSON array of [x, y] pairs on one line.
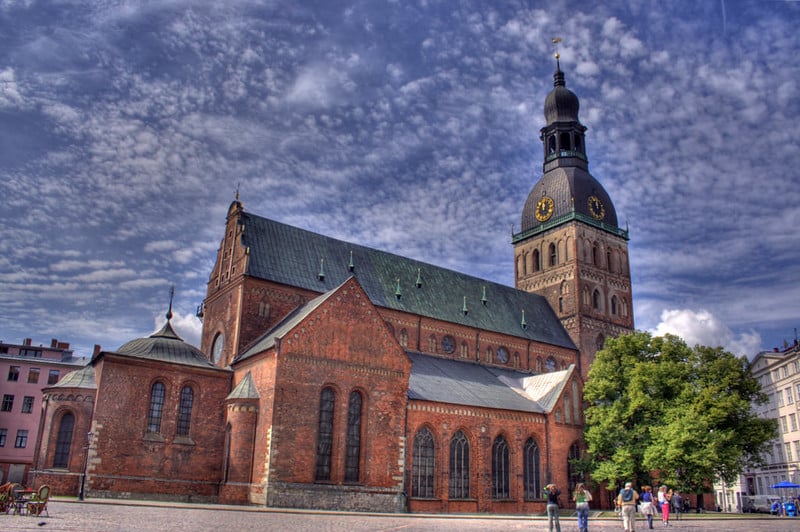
[[101, 516]]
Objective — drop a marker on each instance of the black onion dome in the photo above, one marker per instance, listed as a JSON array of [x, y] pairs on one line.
[[165, 345], [561, 105], [570, 189]]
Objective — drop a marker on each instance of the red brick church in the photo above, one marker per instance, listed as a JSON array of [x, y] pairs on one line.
[[336, 376]]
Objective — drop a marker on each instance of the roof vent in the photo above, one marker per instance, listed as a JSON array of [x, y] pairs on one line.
[[483, 297], [321, 273], [523, 323], [351, 266], [397, 292], [464, 308], [419, 278]]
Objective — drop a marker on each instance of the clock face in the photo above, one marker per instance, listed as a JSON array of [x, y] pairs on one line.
[[502, 355], [544, 209], [596, 208], [448, 344]]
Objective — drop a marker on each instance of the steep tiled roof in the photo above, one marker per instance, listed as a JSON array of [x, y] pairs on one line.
[[466, 383], [246, 389], [296, 257]]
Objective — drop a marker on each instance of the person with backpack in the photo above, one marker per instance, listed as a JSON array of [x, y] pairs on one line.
[[648, 505], [582, 496], [627, 500]]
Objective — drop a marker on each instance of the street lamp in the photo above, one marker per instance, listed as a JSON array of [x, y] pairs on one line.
[[82, 493]]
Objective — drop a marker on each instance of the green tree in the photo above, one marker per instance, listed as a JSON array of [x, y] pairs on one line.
[[659, 411]]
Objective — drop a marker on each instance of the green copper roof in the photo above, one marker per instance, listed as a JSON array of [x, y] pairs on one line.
[[166, 346], [296, 257]]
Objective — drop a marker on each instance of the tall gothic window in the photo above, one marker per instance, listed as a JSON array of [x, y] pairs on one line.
[[64, 440], [353, 456], [422, 465], [157, 393], [531, 473], [576, 402], [185, 411], [573, 475], [537, 263], [553, 256], [500, 467], [459, 466], [325, 434]]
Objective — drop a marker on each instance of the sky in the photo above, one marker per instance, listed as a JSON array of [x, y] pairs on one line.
[[127, 128]]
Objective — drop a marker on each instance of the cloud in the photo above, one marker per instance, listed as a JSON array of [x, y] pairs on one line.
[[700, 327]]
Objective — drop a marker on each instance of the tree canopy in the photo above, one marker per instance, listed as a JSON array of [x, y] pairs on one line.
[[659, 411]]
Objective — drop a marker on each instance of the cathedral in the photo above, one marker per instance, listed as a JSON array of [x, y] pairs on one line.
[[336, 376]]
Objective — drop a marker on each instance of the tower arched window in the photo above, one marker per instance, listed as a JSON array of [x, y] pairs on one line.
[[553, 255], [578, 143], [614, 309], [64, 440], [608, 260], [561, 305], [325, 434], [597, 300], [551, 144], [422, 469], [459, 466], [353, 450], [595, 255], [156, 411], [500, 469], [185, 411], [537, 263], [531, 470], [566, 144]]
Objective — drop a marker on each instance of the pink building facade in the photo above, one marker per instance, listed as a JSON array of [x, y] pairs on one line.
[[24, 370]]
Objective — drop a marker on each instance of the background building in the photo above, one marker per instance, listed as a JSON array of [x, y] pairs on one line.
[[778, 372], [24, 371]]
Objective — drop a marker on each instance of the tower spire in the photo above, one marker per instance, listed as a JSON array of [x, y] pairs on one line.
[[171, 295]]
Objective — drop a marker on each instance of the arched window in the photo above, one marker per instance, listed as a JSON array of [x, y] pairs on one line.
[[459, 466], [537, 262], [565, 144], [216, 348], [550, 364], [538, 364], [573, 475], [422, 469], [600, 341], [551, 144], [325, 434], [595, 255], [530, 465], [489, 355], [185, 411], [560, 304], [464, 350], [64, 440], [597, 300], [552, 254], [567, 410], [614, 308], [157, 393], [403, 337], [353, 457], [432, 344], [500, 469]]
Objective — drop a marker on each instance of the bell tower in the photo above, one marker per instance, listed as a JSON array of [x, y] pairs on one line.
[[570, 248]]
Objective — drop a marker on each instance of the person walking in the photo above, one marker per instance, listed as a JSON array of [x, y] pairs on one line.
[[663, 503], [648, 505], [677, 505], [552, 492], [582, 496], [627, 500]]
